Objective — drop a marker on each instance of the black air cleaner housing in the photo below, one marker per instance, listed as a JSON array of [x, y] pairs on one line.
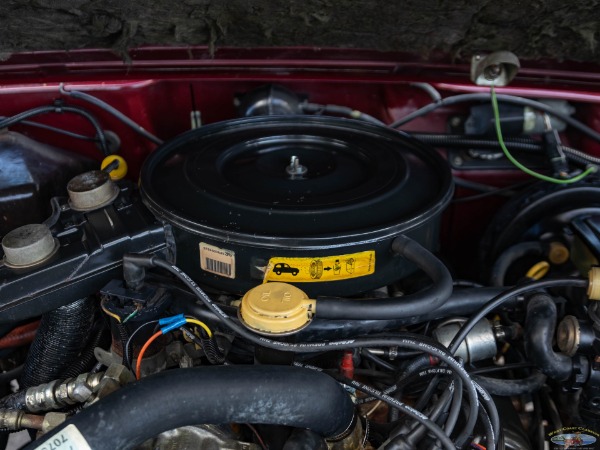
[[315, 201]]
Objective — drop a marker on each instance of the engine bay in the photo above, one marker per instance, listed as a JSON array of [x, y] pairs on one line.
[[298, 250]]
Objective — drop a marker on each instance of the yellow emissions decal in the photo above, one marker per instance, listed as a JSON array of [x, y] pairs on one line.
[[325, 268]]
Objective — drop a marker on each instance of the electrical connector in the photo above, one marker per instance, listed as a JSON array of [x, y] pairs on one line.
[[172, 323], [554, 150]]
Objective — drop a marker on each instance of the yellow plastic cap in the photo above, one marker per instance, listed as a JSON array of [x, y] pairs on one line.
[[593, 291], [558, 253], [276, 308], [120, 171]]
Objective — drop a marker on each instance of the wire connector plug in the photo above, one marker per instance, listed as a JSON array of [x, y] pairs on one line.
[[172, 323]]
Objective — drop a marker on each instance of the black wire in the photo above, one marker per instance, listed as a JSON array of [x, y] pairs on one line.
[[340, 110], [404, 340], [497, 191], [454, 412], [407, 379], [474, 186], [490, 407], [490, 435], [11, 374], [5, 123], [126, 351], [550, 407], [523, 365], [416, 433], [56, 130], [380, 362], [113, 111], [513, 144], [209, 345], [409, 411], [484, 97]]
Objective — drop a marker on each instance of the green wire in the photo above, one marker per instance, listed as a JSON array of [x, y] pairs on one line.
[[131, 316], [511, 158]]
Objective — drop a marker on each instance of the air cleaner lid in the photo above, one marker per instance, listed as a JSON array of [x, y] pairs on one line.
[[295, 176]]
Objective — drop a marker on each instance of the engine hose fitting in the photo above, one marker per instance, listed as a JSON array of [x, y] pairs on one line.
[[57, 394], [593, 291], [540, 325], [351, 438], [11, 420]]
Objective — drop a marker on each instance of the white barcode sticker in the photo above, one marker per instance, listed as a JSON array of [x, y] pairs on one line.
[[217, 260], [69, 438]]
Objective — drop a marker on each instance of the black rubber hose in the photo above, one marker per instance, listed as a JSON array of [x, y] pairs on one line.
[[273, 395], [509, 256], [462, 302], [62, 335], [507, 296], [539, 331], [412, 305], [16, 400], [508, 388]]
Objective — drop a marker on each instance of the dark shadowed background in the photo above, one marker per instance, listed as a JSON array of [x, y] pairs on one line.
[[556, 29]]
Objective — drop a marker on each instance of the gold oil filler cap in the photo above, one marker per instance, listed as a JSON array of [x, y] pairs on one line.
[[276, 308]]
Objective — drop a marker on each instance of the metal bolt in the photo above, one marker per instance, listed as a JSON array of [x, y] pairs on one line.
[[457, 161], [118, 373], [295, 170], [493, 71], [81, 393]]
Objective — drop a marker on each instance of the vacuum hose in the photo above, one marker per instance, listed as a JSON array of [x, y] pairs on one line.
[[273, 395]]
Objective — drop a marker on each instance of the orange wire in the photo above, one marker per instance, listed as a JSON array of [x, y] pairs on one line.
[[138, 364]]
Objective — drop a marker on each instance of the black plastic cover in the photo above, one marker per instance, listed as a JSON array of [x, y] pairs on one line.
[[92, 246], [233, 176]]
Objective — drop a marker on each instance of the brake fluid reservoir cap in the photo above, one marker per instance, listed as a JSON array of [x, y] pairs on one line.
[[91, 190], [276, 308], [28, 245]]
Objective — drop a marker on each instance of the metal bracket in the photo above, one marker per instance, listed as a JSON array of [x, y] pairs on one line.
[[498, 68]]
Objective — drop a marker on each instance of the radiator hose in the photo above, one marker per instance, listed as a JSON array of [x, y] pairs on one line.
[[539, 331], [273, 395]]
